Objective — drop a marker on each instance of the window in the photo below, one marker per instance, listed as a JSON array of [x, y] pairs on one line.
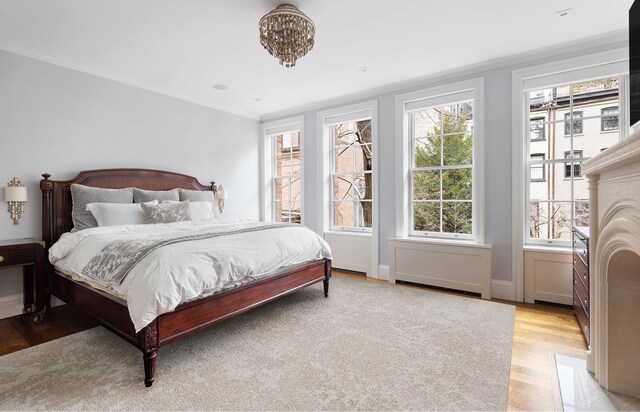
[[287, 183], [577, 108], [537, 129], [442, 169], [351, 174], [440, 166], [576, 167], [577, 123], [282, 171], [609, 119], [537, 168]]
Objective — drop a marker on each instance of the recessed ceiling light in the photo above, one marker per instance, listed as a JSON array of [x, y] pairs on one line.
[[220, 86], [564, 12], [363, 69], [257, 99]]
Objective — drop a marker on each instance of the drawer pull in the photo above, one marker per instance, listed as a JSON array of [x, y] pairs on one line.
[[1, 259]]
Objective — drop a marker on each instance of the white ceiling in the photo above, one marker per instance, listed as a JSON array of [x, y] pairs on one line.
[[184, 47]]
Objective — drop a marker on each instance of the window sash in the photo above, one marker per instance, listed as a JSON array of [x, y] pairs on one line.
[[330, 123], [278, 203], [441, 201]]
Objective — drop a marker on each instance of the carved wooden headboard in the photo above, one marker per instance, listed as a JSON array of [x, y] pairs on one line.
[[56, 195]]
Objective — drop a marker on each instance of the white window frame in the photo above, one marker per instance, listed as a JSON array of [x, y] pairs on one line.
[[267, 131], [368, 109], [593, 66], [406, 103]]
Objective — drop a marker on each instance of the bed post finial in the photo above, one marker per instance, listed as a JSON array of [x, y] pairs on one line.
[[46, 187], [213, 186]]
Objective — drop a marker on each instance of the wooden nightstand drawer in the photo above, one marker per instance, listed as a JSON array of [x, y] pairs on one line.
[[16, 257]]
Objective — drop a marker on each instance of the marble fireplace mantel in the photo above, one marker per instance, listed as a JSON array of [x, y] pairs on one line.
[[614, 191]]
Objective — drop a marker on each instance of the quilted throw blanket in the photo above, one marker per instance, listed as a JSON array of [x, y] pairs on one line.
[[112, 264]]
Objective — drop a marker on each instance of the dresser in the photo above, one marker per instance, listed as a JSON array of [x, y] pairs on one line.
[[581, 278]]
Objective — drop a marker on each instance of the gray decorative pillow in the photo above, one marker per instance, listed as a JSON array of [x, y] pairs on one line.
[[166, 212], [200, 196], [83, 195], [140, 195], [197, 195]]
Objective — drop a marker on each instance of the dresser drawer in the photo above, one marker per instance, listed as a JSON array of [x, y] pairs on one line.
[[16, 257], [581, 269], [582, 292], [581, 248], [583, 319]]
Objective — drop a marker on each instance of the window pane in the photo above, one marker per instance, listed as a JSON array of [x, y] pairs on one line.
[[427, 152], [581, 213], [550, 220], [283, 165], [577, 122], [426, 185], [594, 139], [295, 163], [426, 216], [345, 159], [352, 214], [457, 217], [457, 118], [295, 141], [458, 149], [342, 188], [456, 184], [362, 186], [278, 215], [425, 122], [554, 187], [284, 185], [296, 200]]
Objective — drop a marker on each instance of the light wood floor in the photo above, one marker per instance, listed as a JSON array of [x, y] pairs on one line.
[[540, 331]]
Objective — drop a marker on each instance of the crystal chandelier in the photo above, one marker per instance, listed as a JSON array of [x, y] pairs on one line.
[[287, 34]]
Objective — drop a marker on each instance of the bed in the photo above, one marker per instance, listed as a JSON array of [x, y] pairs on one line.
[[187, 317]]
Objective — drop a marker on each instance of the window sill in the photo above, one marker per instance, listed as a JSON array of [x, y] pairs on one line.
[[548, 249], [347, 233], [440, 241]]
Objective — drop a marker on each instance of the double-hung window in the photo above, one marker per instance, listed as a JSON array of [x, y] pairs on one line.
[[575, 113], [351, 176], [282, 170], [441, 173]]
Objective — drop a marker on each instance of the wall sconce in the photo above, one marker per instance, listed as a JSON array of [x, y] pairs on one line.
[[16, 195], [222, 196]]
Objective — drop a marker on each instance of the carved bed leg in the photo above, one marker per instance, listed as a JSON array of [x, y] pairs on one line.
[[148, 338], [149, 367], [327, 276]]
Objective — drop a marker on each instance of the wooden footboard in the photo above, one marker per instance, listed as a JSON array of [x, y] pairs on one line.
[[189, 317]]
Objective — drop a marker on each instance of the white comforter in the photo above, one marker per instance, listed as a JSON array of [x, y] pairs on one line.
[[179, 272]]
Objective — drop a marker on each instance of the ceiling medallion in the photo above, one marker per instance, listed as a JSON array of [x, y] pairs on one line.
[[287, 34]]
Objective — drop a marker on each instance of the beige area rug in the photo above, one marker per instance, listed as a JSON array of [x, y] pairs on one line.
[[369, 346]]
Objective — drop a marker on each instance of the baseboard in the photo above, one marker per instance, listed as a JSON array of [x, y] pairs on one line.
[[10, 306], [502, 289], [383, 272]]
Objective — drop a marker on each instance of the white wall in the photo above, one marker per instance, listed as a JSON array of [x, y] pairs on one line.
[[498, 137], [61, 121]]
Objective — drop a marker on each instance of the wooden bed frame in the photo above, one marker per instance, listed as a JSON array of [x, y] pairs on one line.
[[188, 317]]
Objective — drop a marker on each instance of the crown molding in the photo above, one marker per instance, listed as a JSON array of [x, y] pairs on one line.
[[469, 70], [77, 65]]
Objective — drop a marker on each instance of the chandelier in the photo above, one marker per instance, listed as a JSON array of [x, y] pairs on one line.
[[287, 34]]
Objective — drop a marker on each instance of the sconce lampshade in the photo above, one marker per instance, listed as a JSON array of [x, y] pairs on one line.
[[15, 194], [222, 195]]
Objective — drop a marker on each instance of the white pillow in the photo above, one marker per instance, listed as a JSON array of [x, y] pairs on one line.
[[200, 210], [112, 214]]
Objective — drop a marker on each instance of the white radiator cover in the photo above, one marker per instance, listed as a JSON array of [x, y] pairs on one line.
[[464, 267]]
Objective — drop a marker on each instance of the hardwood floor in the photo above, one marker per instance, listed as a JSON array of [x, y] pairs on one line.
[[540, 331]]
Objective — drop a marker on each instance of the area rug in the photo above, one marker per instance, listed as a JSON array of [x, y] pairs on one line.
[[369, 346]]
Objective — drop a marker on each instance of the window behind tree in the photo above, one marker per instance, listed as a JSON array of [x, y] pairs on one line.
[[574, 115], [609, 119], [351, 175], [287, 183], [441, 172]]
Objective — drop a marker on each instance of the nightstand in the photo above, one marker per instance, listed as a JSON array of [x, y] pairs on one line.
[[30, 254]]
